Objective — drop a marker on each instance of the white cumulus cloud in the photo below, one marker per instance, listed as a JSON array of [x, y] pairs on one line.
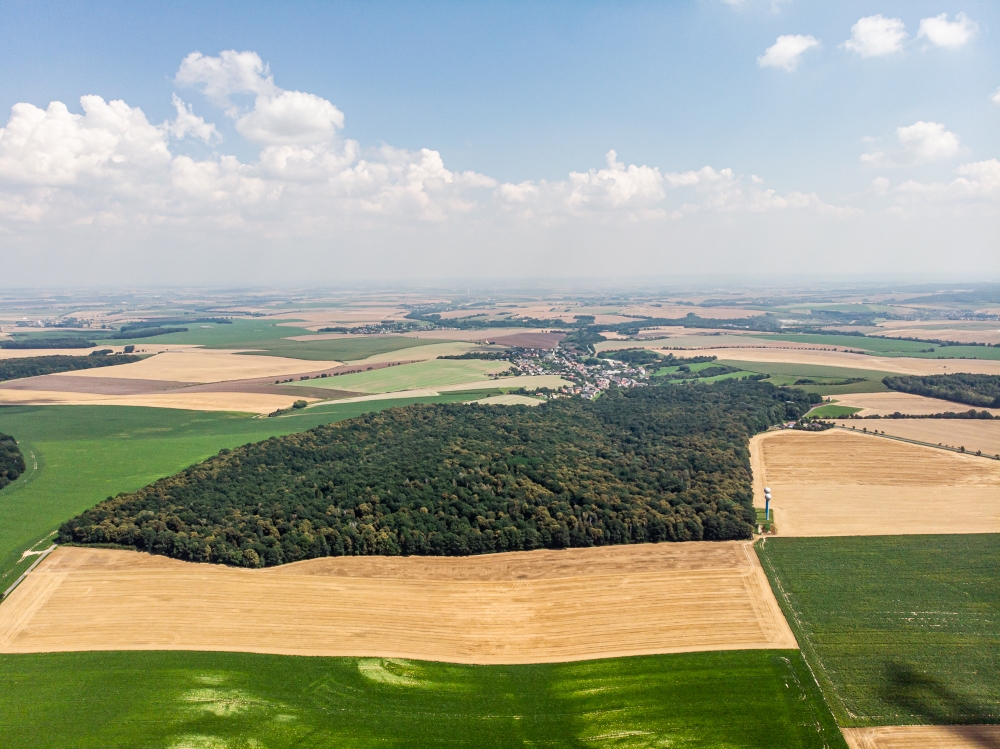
[[920, 143], [941, 32], [278, 117], [995, 97], [875, 36], [786, 52], [188, 123]]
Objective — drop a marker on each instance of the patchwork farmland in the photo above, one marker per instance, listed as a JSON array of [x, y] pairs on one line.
[[631, 644]]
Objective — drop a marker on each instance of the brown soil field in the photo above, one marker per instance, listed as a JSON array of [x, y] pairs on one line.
[[884, 404], [805, 355], [60, 383], [521, 607], [206, 365], [923, 737], [968, 433], [840, 483], [530, 340]]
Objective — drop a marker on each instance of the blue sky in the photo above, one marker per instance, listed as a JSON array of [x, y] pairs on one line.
[[528, 93]]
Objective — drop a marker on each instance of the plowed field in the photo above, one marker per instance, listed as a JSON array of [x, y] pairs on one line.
[[838, 483], [522, 607]]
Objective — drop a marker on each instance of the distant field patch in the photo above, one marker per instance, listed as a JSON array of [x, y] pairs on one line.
[[885, 404], [515, 607], [899, 629], [426, 374], [833, 411], [233, 700], [340, 349], [824, 380], [892, 346], [841, 483], [972, 434]]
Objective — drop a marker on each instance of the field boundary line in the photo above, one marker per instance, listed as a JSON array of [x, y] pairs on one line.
[[805, 644], [916, 442], [24, 574]]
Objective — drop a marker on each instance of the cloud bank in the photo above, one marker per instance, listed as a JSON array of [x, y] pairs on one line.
[[105, 182]]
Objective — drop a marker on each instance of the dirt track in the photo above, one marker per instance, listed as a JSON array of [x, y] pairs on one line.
[[923, 737], [522, 607], [838, 483]]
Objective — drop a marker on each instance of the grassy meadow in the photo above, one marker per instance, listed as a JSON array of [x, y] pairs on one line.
[[87, 453], [833, 411], [824, 377], [898, 629], [425, 374], [199, 700]]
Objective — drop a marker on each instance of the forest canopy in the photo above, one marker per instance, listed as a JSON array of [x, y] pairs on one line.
[[660, 463], [971, 389], [33, 366], [11, 460]]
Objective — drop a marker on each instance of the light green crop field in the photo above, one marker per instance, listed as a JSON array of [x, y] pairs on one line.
[[782, 373], [425, 374], [238, 334], [87, 453], [892, 346], [194, 700], [898, 629]]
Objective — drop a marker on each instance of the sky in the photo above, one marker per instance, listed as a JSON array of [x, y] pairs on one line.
[[335, 143]]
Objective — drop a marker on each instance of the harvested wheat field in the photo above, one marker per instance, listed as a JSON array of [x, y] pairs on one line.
[[923, 737], [840, 483], [259, 403], [885, 404], [971, 434], [206, 365], [520, 607]]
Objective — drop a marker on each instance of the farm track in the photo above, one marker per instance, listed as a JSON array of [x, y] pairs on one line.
[[521, 607]]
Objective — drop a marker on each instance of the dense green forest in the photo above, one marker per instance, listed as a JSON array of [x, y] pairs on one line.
[[661, 463], [32, 366], [11, 460], [47, 342], [971, 389]]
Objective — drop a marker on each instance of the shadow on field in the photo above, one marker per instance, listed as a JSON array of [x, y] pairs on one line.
[[932, 700]]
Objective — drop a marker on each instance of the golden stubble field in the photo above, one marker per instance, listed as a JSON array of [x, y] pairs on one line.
[[841, 483], [972, 434], [923, 737], [885, 404], [521, 607]]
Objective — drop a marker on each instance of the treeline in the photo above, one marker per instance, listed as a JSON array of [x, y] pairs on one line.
[[970, 414], [641, 357], [11, 460], [47, 342], [33, 366], [659, 463], [971, 389], [123, 334]]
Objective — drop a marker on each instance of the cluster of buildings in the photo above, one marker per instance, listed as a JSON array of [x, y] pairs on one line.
[[589, 377]]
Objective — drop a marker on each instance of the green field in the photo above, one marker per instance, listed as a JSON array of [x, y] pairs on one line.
[[782, 373], [890, 346], [198, 700], [898, 629], [87, 453], [270, 339], [425, 374], [832, 411]]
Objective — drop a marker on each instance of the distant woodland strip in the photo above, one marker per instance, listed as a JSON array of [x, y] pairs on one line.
[[659, 463], [971, 389], [47, 342], [33, 366], [11, 460]]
